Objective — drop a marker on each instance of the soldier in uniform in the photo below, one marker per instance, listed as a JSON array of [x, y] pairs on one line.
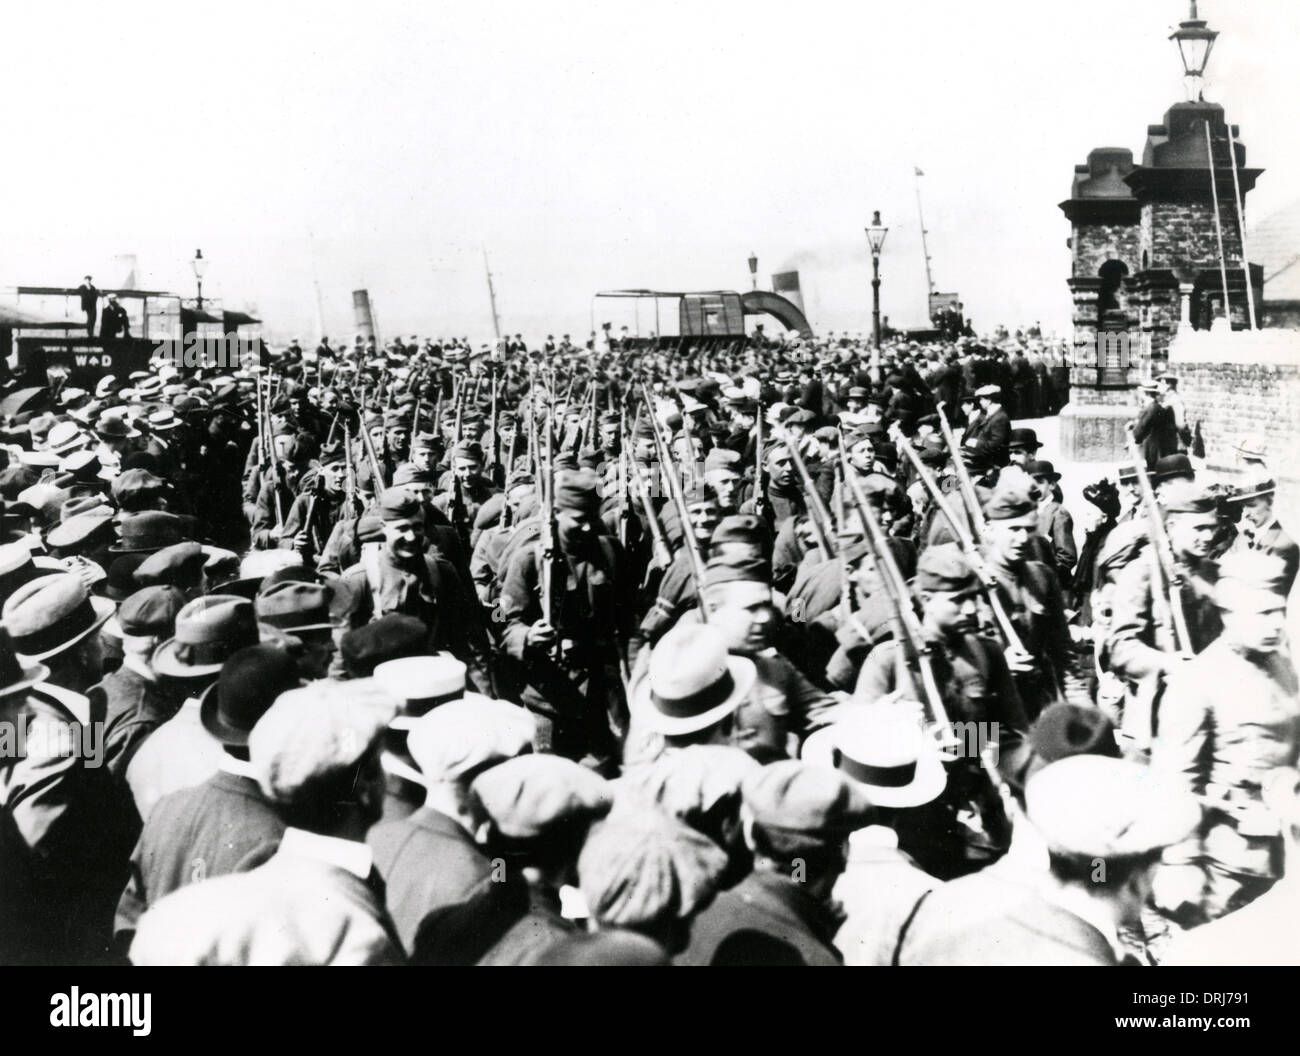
[[570, 655], [1230, 715], [1139, 646], [1031, 596], [398, 575]]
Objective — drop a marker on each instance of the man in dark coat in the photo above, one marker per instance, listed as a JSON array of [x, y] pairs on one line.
[[1155, 430], [987, 441], [799, 818]]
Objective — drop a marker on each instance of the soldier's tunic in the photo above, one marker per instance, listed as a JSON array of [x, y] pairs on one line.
[[1031, 595], [1227, 720]]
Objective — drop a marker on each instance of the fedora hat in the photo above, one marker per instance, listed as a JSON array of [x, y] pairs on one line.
[[884, 751], [51, 613], [115, 427], [148, 531], [692, 682], [209, 631], [16, 676], [80, 528], [1257, 489], [249, 683]]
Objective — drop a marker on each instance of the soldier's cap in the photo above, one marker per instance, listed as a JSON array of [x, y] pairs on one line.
[[641, 868], [884, 752], [209, 630], [578, 492], [79, 528], [1251, 581], [52, 613], [1187, 497], [426, 441], [1093, 806], [1009, 502], [944, 569], [722, 458], [507, 418], [470, 449], [1173, 466], [407, 473], [421, 684], [1060, 731], [172, 564], [1024, 439], [691, 783], [794, 798], [1255, 490], [799, 416], [736, 568], [644, 430], [150, 612], [294, 606], [390, 637], [316, 734], [460, 739], [536, 797], [398, 504], [744, 529], [397, 420], [692, 682]]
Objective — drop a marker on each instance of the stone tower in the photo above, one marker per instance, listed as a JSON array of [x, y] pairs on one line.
[[1153, 247]]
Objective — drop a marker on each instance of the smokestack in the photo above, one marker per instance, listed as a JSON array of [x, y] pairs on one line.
[[786, 283], [361, 308]]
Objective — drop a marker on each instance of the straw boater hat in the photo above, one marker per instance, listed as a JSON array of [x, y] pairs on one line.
[[422, 683], [884, 751], [692, 682]]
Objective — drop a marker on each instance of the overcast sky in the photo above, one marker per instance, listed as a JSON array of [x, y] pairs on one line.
[[593, 146]]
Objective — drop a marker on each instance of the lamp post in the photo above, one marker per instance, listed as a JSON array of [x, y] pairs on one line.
[[200, 266], [876, 239], [1195, 41], [753, 271]]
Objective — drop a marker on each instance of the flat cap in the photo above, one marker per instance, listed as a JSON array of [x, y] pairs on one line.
[[171, 564], [460, 739], [1092, 806], [1187, 497], [314, 733], [388, 638], [531, 795], [640, 868], [293, 606], [690, 782], [790, 796], [151, 612]]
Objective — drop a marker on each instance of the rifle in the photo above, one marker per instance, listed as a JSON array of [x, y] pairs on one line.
[[459, 511], [669, 473], [636, 484], [967, 487], [368, 445], [913, 653], [761, 505], [1169, 593], [818, 514], [967, 543], [549, 543], [496, 443]]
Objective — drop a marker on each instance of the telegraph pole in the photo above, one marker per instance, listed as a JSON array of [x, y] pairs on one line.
[[492, 298]]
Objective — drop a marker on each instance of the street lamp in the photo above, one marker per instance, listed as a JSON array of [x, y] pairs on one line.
[[753, 270], [876, 239], [200, 266], [1195, 41]]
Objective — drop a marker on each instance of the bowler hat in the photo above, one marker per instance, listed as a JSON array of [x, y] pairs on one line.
[[1173, 466], [249, 683]]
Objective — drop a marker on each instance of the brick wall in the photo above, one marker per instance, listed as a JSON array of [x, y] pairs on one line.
[[1183, 233], [1094, 244], [1242, 383]]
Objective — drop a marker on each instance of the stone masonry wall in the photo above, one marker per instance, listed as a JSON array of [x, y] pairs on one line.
[[1094, 244], [1177, 233]]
